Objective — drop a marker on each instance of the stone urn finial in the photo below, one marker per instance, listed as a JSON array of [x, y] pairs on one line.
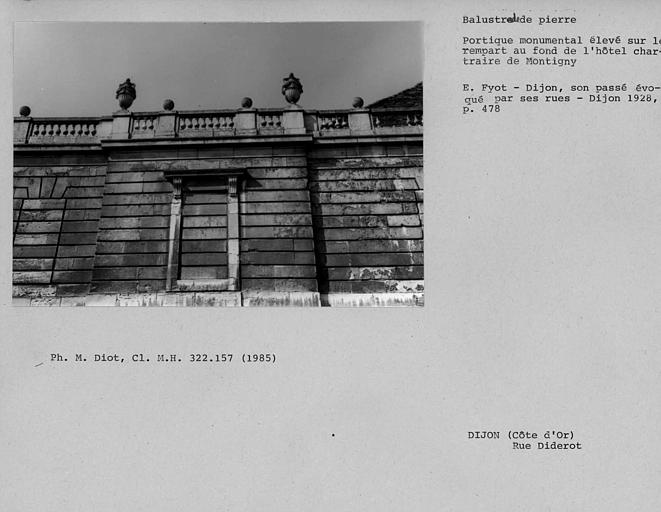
[[292, 89], [126, 94], [168, 105], [25, 111], [357, 102]]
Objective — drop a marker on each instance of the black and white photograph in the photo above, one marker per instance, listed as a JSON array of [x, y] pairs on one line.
[[376, 256], [218, 164]]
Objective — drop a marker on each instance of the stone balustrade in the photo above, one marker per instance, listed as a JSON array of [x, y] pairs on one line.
[[204, 124], [388, 118], [64, 130]]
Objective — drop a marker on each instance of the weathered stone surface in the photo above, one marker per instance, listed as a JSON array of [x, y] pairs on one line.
[[134, 222], [366, 197], [143, 299], [277, 258], [139, 199], [284, 244], [77, 238], [36, 239], [368, 246], [278, 271], [354, 287], [283, 299], [227, 299], [344, 300], [277, 232], [204, 258], [79, 192], [279, 284], [43, 204], [34, 291], [275, 208], [351, 221], [202, 233], [375, 273], [115, 273], [131, 247], [41, 215], [204, 246], [203, 221], [73, 301], [46, 301], [255, 196], [84, 204], [34, 251], [38, 227], [80, 226], [72, 276], [365, 162], [109, 235], [276, 184], [371, 259], [72, 290], [372, 233], [129, 286], [203, 273], [204, 209], [364, 185], [130, 260], [74, 263], [274, 220], [70, 214], [364, 209], [277, 172], [138, 187], [377, 173], [37, 277], [343, 215], [135, 210], [404, 220], [127, 176]]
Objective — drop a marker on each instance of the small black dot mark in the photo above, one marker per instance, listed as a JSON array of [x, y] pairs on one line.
[[332, 435]]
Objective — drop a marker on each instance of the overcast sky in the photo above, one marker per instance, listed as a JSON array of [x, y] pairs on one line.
[[74, 69]]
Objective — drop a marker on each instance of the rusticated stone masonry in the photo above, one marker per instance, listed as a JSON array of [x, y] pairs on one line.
[[251, 207]]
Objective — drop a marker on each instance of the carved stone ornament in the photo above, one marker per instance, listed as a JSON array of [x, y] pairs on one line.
[[292, 89], [126, 94], [176, 183], [232, 182]]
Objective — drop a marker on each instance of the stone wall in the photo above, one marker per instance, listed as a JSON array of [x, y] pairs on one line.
[[248, 207], [57, 205], [368, 218], [276, 238]]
